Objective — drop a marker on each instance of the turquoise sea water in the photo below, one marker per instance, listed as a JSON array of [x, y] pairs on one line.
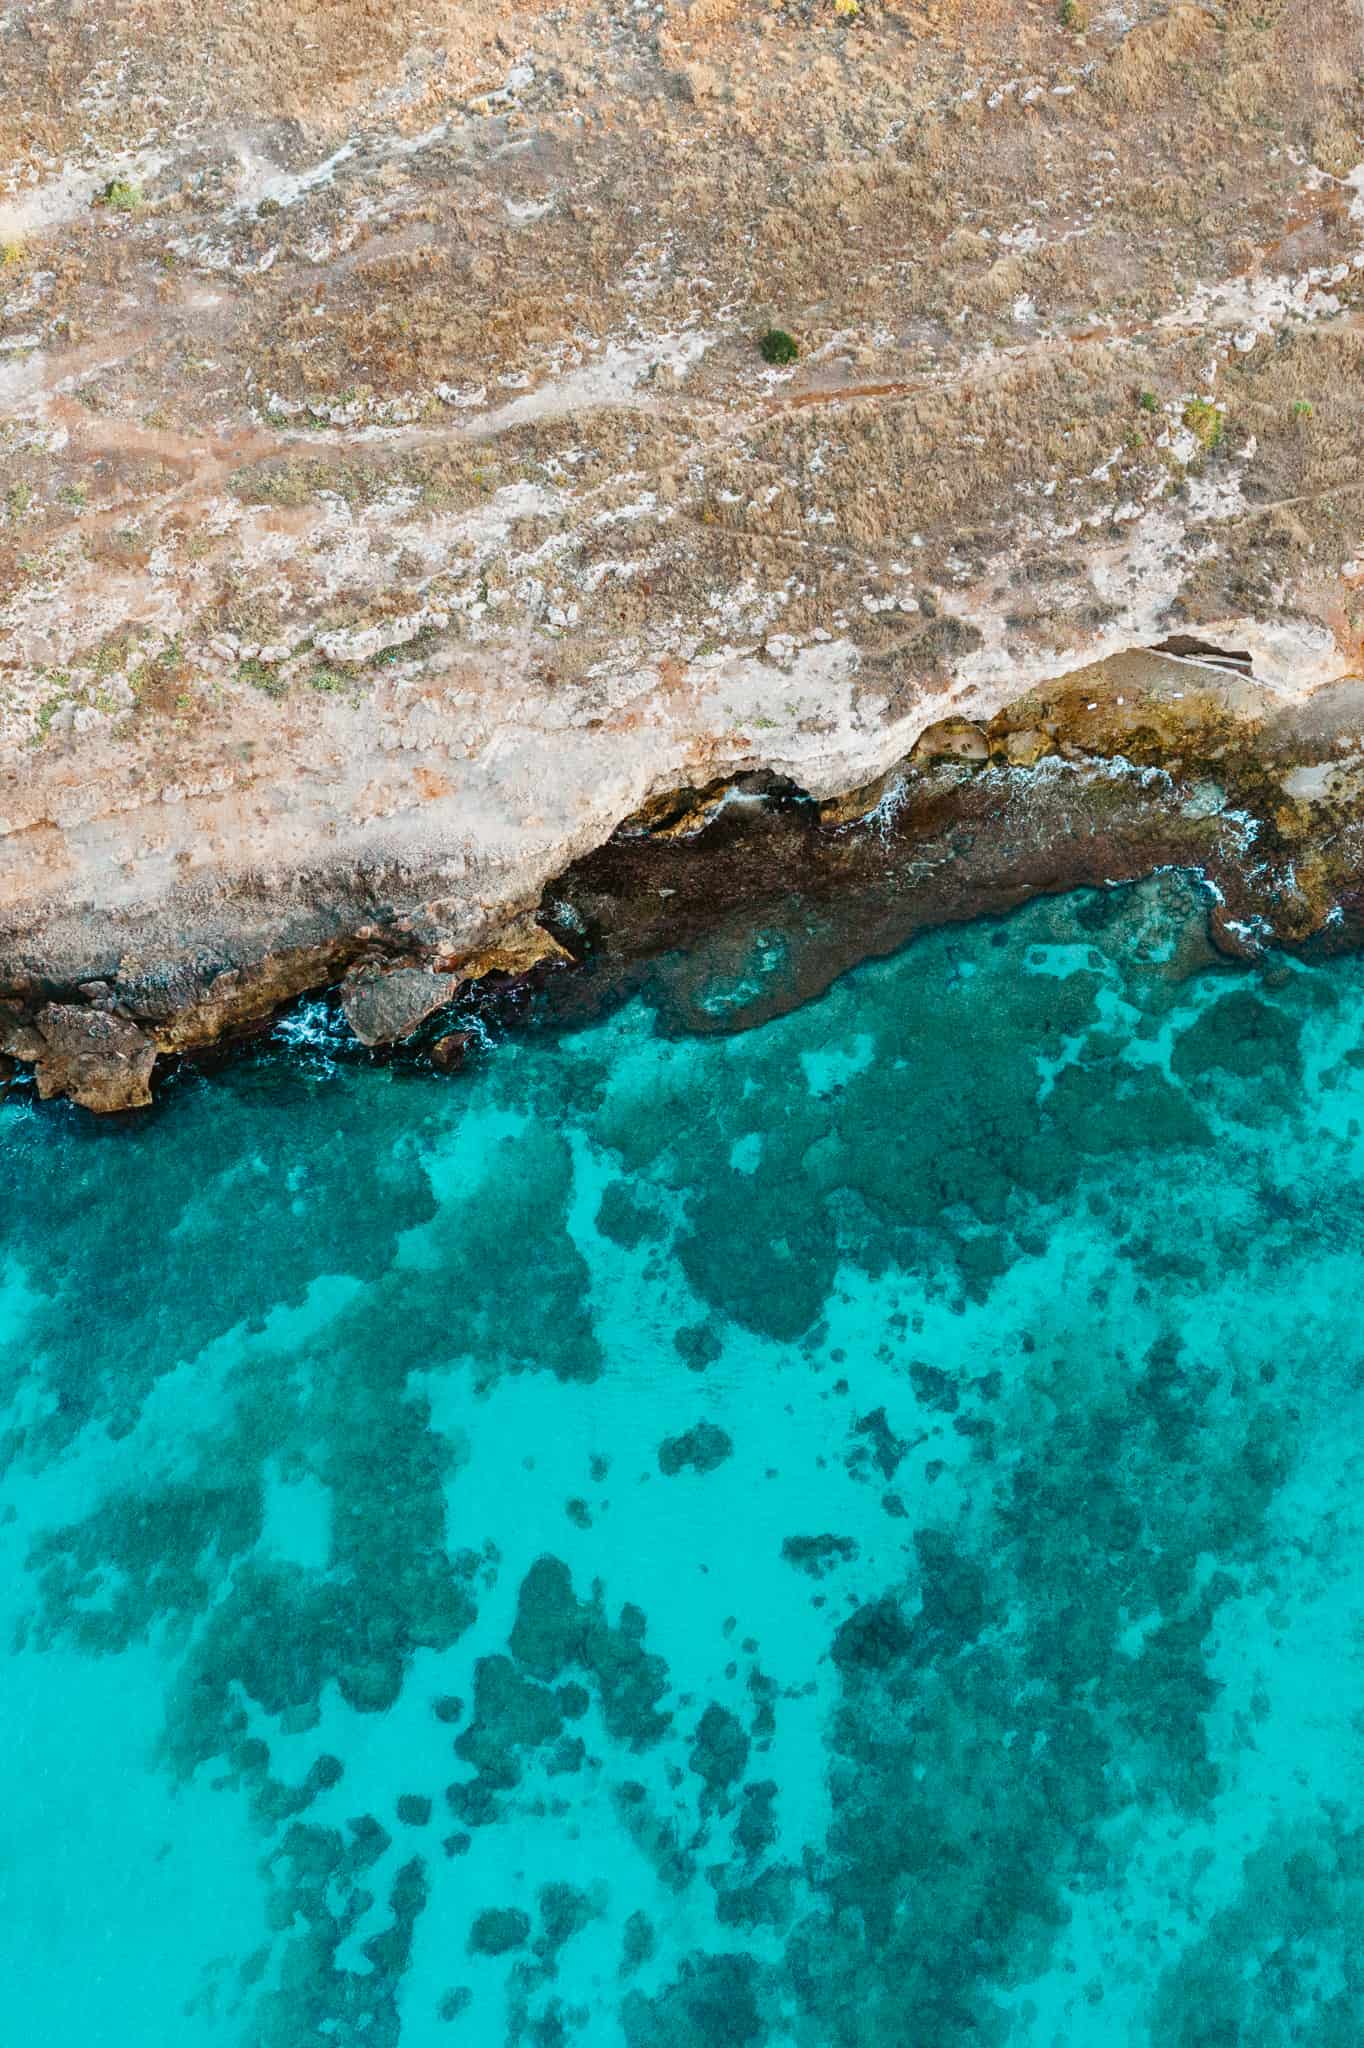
[[846, 1534]]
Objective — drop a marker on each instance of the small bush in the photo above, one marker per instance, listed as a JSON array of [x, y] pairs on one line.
[[1205, 422], [1302, 408], [1072, 16], [122, 194], [1149, 402], [262, 675], [778, 346]]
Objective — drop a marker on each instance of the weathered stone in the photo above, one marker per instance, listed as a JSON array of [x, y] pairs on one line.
[[1027, 747], [952, 739], [381, 1009], [860, 802], [518, 947], [103, 1062], [199, 1001], [19, 1035], [449, 1053]]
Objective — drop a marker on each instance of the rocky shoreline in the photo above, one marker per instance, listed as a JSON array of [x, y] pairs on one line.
[[1145, 761], [404, 531]]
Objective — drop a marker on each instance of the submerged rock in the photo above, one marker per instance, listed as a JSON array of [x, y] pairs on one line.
[[450, 1052]]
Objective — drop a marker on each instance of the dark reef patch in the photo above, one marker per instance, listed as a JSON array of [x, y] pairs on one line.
[[701, 1448]]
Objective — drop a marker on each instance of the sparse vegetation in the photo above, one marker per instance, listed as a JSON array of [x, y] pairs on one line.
[[777, 346], [122, 194], [1149, 402], [262, 676], [1204, 422], [157, 680], [1072, 16], [49, 708]]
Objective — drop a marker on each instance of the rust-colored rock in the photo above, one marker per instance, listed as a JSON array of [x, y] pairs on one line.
[[518, 947], [190, 1009]]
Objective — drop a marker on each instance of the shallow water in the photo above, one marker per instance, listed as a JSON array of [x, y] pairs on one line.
[[847, 1534]]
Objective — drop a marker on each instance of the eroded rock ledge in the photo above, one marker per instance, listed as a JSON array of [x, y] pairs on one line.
[[1148, 759]]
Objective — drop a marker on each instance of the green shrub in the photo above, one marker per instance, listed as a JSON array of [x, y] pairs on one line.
[[1205, 422], [262, 675], [122, 194], [778, 346]]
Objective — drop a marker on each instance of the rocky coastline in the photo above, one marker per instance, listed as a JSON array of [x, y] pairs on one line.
[[413, 566], [1142, 762]]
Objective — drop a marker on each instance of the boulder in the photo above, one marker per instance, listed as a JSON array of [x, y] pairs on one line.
[[20, 1037], [102, 1061], [449, 1053], [383, 1008]]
